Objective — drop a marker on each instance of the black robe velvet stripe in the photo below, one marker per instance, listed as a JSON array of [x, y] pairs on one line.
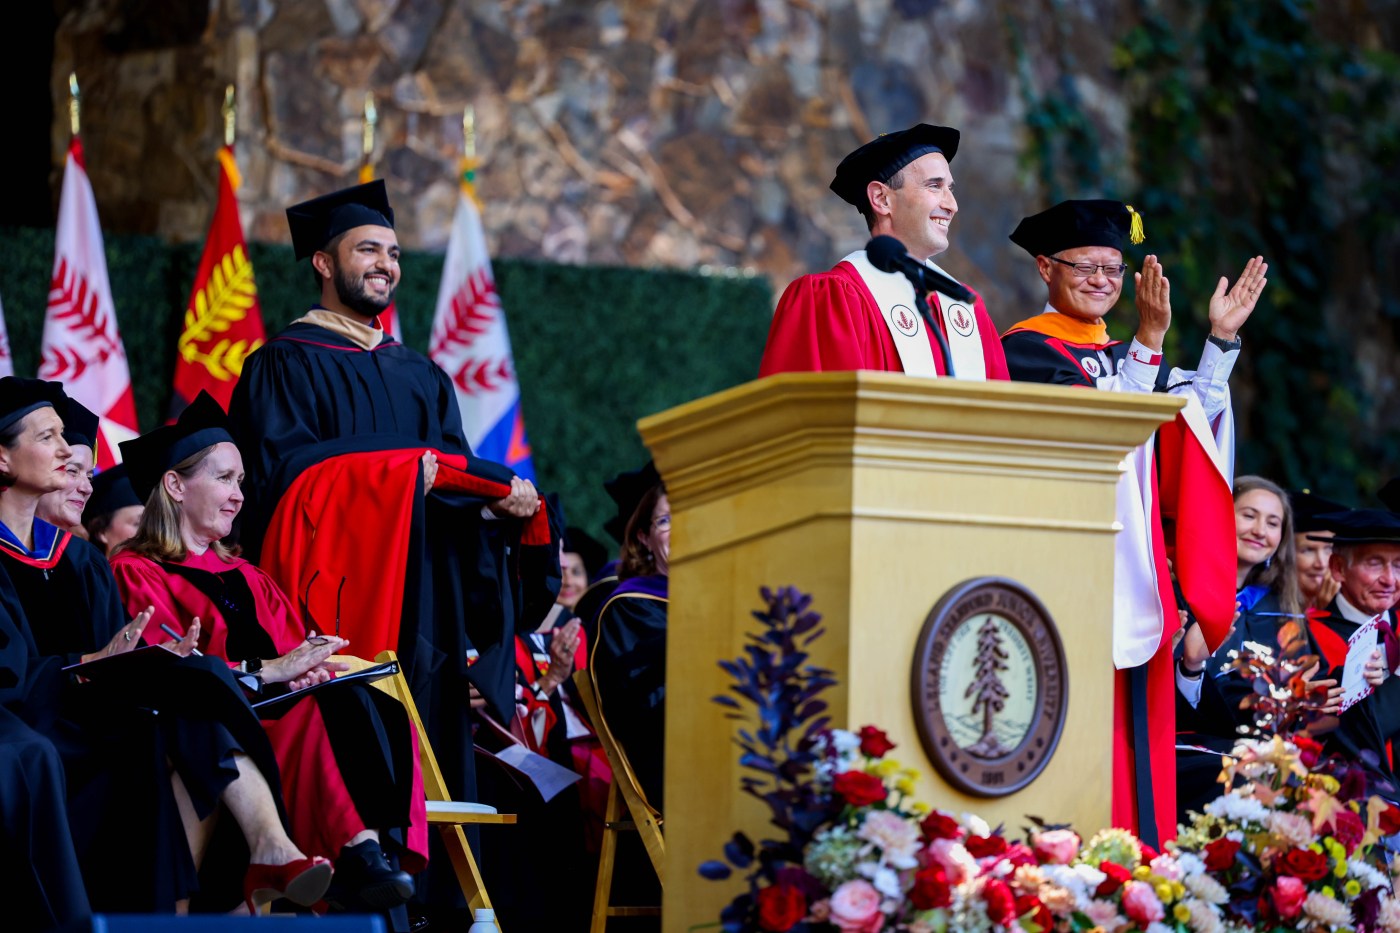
[[1036, 357]]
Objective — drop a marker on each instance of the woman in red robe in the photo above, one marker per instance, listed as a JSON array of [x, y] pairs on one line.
[[348, 756]]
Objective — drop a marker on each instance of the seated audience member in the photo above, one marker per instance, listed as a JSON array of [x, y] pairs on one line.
[[113, 513], [626, 490], [63, 508], [43, 880], [629, 659], [347, 756], [201, 750], [581, 558], [1312, 539]]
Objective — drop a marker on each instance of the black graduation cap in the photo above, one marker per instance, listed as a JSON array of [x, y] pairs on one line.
[[202, 424], [1309, 511], [590, 549], [1363, 526], [18, 397], [111, 491], [627, 490], [1071, 224], [883, 157], [79, 424], [316, 222]]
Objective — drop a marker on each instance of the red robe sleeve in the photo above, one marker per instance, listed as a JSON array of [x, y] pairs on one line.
[[143, 584], [819, 325]]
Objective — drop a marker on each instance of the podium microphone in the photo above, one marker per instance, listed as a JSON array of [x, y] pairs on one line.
[[889, 255]]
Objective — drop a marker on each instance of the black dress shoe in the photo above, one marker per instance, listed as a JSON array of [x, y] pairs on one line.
[[364, 880]]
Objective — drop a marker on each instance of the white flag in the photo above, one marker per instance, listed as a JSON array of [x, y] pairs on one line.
[[470, 342], [81, 346]]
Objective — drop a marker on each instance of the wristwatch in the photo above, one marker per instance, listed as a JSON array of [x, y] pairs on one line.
[[1187, 672], [1226, 345]]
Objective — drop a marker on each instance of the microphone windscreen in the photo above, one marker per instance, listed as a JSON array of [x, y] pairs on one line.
[[885, 253]]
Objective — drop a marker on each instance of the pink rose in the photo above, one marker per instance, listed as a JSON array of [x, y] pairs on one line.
[[1056, 846], [855, 908], [1289, 894], [953, 857], [1141, 905]]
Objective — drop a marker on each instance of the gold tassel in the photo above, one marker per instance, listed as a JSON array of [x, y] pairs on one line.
[[1135, 233]]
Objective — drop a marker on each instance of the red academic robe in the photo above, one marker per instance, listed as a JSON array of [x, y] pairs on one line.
[[320, 810], [829, 321]]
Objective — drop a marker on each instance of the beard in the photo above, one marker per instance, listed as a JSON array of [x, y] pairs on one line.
[[355, 296]]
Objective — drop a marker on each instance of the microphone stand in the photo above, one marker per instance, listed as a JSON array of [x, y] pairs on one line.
[[921, 304]]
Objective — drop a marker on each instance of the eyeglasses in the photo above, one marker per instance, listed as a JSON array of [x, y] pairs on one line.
[[309, 620], [1085, 269], [662, 523]]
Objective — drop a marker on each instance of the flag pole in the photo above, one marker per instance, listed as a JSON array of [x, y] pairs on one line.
[[469, 161], [73, 104], [371, 118], [230, 113]]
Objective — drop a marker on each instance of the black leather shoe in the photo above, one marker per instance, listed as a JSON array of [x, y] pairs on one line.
[[364, 879]]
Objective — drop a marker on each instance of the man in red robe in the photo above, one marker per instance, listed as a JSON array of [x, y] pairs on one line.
[[857, 317], [1179, 483]]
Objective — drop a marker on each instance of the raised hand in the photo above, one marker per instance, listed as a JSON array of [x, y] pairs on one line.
[[128, 637], [1153, 296], [186, 645], [1230, 309]]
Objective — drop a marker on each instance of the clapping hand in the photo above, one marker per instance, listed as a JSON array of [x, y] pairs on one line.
[[127, 638], [186, 645], [1230, 309], [306, 664], [1153, 296], [1333, 704]]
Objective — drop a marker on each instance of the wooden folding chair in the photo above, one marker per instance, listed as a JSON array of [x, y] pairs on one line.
[[447, 814], [624, 791]]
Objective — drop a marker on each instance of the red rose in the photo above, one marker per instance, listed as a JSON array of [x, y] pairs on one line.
[[1348, 829], [939, 825], [1018, 854], [1390, 821], [984, 846], [1303, 864], [1288, 896], [1040, 914], [1220, 854], [1147, 852], [780, 906], [1117, 877], [1309, 751], [859, 789], [1001, 903], [931, 889], [874, 743]]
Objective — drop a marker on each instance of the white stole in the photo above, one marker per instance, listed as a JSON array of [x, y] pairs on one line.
[[894, 295]]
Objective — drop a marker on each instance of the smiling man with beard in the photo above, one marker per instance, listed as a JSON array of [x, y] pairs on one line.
[[363, 499]]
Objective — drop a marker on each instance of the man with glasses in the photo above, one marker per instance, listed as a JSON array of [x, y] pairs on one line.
[[1078, 249]]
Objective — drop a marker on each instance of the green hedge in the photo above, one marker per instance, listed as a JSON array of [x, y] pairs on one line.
[[595, 348]]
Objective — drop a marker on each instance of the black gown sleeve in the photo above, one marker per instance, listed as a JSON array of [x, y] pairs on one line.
[[1031, 357], [629, 668]]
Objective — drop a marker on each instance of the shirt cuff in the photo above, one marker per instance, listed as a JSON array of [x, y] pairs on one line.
[[489, 515], [1190, 689], [1215, 365], [1141, 364]]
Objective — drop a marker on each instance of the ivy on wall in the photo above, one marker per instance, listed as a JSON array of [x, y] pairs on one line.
[[1257, 129], [595, 348]]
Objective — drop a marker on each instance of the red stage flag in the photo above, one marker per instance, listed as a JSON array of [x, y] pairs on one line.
[[223, 322], [81, 346]]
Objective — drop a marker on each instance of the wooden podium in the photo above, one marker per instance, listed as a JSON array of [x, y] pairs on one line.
[[878, 493]]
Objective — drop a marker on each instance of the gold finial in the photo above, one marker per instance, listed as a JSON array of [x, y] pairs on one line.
[[73, 101], [469, 132], [1135, 232], [371, 118], [230, 113]]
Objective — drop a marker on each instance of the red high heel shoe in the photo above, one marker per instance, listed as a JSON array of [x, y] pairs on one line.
[[302, 882]]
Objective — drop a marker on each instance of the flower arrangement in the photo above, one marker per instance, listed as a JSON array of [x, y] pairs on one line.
[[1294, 844]]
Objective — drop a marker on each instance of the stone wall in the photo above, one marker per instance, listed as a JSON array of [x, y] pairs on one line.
[[642, 132]]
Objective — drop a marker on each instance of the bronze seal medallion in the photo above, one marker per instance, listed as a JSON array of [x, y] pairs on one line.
[[989, 683]]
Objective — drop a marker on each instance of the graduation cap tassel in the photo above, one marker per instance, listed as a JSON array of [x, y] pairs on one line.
[[1135, 232]]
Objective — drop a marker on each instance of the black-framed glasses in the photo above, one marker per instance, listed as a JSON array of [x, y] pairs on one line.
[[1086, 269], [310, 620]]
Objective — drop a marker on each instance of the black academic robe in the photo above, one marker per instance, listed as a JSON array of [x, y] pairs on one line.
[[43, 879], [1035, 357], [629, 669], [1365, 729], [195, 718], [310, 394]]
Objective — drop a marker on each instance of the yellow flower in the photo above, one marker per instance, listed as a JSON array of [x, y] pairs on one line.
[[1164, 892], [884, 768], [1141, 872], [1178, 890], [1329, 891], [1182, 913], [1341, 870], [905, 786], [910, 773], [1352, 887], [919, 808]]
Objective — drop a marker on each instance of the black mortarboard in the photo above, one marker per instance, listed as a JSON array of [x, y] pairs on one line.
[[316, 222], [1309, 511], [79, 424], [1363, 526], [1071, 224], [627, 490], [18, 397], [882, 157], [111, 490], [590, 549], [1390, 494], [202, 424]]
